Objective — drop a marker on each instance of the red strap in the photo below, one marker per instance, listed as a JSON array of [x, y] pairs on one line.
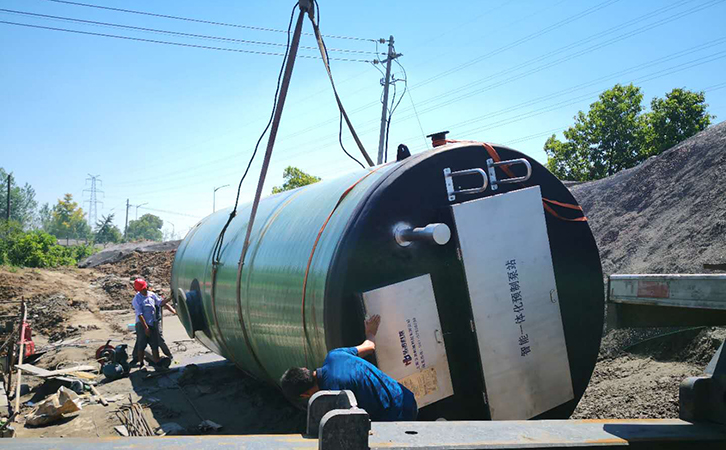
[[495, 156]]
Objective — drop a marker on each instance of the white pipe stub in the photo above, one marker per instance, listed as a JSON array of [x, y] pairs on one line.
[[438, 233]]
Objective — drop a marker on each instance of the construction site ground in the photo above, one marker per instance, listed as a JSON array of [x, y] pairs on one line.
[[72, 305]]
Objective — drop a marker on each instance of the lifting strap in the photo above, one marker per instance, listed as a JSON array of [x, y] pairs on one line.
[[324, 55]]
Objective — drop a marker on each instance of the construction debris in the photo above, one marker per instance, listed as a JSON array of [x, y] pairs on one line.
[[133, 418], [54, 407], [208, 425]]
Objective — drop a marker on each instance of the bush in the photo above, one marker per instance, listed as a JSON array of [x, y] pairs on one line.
[[37, 248]]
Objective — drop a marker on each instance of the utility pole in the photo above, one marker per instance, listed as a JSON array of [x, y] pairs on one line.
[[93, 202], [386, 83], [7, 212], [214, 197], [126, 226]]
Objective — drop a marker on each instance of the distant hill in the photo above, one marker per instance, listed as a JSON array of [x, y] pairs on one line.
[[668, 214]]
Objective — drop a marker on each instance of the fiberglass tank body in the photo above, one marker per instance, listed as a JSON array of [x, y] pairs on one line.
[[501, 321]]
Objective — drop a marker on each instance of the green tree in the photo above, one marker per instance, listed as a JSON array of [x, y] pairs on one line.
[[22, 201], [615, 134], [675, 118], [68, 221], [602, 142], [294, 178], [147, 226], [106, 231], [45, 217]]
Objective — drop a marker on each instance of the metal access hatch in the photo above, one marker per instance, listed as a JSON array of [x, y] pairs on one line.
[[508, 266], [409, 344]]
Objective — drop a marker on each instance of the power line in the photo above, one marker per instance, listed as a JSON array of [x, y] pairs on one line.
[[208, 22], [179, 44], [540, 68], [173, 33], [520, 41], [535, 112], [164, 211]]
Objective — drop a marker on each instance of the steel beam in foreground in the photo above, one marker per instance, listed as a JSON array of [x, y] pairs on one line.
[[543, 434]]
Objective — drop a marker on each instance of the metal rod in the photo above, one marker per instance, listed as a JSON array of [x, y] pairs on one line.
[[20, 356], [438, 233]]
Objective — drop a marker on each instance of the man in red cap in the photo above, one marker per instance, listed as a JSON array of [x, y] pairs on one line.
[[146, 304]]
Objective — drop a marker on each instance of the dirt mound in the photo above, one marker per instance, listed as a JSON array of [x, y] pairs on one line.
[[667, 215], [48, 314], [154, 267], [118, 252]]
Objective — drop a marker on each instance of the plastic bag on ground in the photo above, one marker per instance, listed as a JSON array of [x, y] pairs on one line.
[[64, 401]]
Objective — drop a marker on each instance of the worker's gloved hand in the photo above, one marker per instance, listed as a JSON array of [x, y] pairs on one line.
[[372, 326]]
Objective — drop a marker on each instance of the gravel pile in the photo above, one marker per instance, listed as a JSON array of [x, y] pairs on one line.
[[667, 215]]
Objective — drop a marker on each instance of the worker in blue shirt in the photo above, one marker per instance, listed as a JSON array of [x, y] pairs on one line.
[[384, 398]]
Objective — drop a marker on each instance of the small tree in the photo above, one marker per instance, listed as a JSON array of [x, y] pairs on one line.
[[294, 178], [106, 231], [22, 201], [68, 221], [147, 226], [45, 217]]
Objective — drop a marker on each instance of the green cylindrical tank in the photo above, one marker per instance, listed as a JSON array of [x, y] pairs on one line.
[[341, 233]]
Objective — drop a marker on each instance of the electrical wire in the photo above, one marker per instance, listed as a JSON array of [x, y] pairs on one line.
[[179, 44], [529, 37], [170, 212], [217, 251], [189, 19], [173, 33]]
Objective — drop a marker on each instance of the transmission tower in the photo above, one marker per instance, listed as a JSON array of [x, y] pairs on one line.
[[93, 201]]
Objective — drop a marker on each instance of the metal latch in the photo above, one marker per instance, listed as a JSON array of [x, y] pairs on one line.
[[449, 180], [493, 175]]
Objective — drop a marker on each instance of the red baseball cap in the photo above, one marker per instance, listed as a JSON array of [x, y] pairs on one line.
[[140, 284]]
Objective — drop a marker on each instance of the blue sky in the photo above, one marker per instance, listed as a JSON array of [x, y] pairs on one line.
[[164, 124]]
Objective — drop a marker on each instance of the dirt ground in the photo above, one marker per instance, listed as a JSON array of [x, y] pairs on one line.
[[73, 313]]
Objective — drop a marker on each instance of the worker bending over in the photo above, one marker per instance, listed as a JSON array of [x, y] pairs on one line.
[[146, 304], [383, 398]]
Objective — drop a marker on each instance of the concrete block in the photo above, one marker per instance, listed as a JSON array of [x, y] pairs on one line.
[[323, 401], [344, 429]]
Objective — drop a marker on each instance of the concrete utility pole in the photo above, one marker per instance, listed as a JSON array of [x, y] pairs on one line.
[[386, 83], [7, 213], [214, 197], [126, 226]]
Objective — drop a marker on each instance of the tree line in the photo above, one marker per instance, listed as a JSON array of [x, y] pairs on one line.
[[617, 133], [30, 238]]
